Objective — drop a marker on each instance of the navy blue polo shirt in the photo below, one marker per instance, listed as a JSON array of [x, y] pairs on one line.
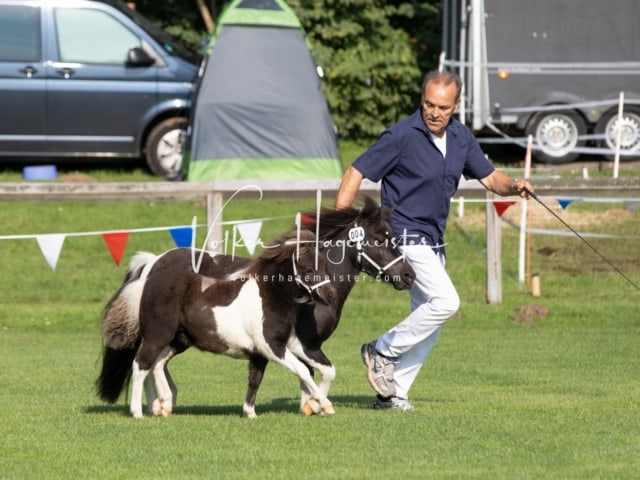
[[417, 181]]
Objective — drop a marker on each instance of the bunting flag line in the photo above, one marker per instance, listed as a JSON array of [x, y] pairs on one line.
[[501, 207], [116, 243], [565, 233], [51, 246]]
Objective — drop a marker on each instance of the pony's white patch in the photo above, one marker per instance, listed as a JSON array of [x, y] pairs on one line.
[[206, 282], [132, 294], [239, 324], [144, 260]]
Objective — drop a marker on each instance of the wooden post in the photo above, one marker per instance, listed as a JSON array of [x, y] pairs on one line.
[[535, 285], [494, 253], [215, 201]]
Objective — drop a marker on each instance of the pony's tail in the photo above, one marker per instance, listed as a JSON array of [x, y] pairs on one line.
[[116, 372], [120, 322], [121, 329]]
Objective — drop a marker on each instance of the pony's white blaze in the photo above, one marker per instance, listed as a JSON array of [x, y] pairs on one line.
[[240, 323]]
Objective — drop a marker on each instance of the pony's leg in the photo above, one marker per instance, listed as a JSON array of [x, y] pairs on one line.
[[308, 405], [157, 405], [146, 359], [164, 403], [171, 383], [257, 365], [153, 404], [138, 376], [293, 364], [315, 360]]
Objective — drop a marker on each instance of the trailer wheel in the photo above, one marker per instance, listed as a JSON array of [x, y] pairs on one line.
[[607, 130], [557, 134], [163, 149]]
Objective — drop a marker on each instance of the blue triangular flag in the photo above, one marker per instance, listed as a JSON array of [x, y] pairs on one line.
[[632, 205], [182, 236], [564, 202]]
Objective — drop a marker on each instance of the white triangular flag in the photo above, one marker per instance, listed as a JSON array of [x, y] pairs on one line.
[[51, 246], [250, 233]]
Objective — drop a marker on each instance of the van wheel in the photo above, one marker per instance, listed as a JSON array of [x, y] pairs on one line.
[[163, 149], [607, 130], [557, 134]]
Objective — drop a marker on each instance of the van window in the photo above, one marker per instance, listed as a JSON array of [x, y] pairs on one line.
[[19, 33], [92, 36]]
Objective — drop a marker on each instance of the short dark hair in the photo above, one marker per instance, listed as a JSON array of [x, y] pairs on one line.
[[446, 78]]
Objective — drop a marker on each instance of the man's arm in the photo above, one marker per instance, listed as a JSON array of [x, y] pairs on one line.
[[502, 184], [349, 188]]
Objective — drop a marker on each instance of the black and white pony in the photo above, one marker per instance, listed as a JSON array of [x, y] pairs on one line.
[[250, 313], [354, 240]]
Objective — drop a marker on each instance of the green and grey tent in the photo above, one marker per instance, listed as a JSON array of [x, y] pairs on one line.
[[260, 112]]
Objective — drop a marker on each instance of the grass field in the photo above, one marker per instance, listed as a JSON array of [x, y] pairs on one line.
[[545, 387]]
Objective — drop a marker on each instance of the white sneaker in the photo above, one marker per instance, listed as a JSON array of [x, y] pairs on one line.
[[379, 370], [394, 403]]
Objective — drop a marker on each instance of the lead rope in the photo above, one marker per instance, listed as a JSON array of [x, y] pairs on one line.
[[535, 197]]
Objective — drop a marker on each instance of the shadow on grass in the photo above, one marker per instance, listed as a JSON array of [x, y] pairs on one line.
[[277, 405]]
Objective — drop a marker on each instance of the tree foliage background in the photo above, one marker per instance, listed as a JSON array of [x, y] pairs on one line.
[[373, 52]]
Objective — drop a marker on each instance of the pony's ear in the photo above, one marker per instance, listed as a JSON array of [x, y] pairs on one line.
[[307, 240], [369, 204], [372, 209], [385, 213]]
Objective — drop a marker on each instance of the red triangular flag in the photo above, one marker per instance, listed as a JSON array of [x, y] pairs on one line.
[[501, 207], [116, 243]]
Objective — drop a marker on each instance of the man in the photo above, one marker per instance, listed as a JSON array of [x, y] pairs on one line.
[[419, 161]]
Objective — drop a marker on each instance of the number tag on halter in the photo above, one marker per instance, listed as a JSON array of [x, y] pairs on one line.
[[356, 234]]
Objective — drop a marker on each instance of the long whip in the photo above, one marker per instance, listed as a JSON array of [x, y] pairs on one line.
[[535, 197]]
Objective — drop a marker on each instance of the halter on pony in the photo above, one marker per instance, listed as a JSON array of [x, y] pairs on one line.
[[298, 279], [357, 235]]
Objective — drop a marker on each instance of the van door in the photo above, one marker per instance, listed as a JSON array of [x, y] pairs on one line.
[[97, 102], [22, 80]]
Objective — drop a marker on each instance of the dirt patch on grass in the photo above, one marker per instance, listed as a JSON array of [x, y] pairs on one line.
[[76, 178], [528, 314]]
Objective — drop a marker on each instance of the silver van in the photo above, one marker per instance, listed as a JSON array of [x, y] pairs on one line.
[[83, 78]]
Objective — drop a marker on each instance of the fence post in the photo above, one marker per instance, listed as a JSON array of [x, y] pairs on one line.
[[215, 201], [494, 253]]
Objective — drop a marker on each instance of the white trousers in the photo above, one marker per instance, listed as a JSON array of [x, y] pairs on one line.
[[434, 300]]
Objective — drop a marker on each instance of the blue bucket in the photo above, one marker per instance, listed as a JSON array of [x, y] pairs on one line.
[[40, 172]]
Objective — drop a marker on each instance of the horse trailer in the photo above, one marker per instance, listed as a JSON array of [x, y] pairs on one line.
[[566, 72]]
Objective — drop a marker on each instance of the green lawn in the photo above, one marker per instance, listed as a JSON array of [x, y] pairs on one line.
[[553, 395]]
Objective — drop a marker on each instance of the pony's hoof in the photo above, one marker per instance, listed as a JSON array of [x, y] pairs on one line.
[[249, 411], [307, 411], [328, 410], [156, 408], [312, 407], [251, 415]]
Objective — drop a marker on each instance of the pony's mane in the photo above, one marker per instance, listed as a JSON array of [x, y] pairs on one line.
[[285, 247], [333, 222]]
